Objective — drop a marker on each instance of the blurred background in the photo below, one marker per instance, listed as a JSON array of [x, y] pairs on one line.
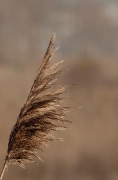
[[87, 34]]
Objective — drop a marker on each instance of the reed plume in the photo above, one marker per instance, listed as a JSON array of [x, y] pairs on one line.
[[39, 117]]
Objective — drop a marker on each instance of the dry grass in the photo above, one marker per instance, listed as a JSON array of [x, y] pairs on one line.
[[90, 149], [39, 117]]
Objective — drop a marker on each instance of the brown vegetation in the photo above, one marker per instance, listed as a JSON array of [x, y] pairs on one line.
[[90, 148], [39, 116]]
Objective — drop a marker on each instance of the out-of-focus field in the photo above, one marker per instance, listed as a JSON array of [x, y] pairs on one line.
[[90, 148]]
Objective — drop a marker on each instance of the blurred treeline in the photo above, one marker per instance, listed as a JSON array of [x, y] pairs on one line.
[[82, 27], [87, 34]]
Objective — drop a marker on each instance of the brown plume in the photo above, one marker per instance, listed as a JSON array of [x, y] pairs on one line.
[[39, 117]]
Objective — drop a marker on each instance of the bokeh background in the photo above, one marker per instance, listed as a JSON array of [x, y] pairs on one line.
[[87, 34]]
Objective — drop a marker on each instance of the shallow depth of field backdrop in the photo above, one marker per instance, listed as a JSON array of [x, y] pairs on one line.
[[87, 34]]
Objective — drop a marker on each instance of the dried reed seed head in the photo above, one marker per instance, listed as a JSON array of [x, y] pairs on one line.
[[39, 116]]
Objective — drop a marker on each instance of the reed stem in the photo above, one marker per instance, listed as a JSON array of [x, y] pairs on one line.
[[3, 171]]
